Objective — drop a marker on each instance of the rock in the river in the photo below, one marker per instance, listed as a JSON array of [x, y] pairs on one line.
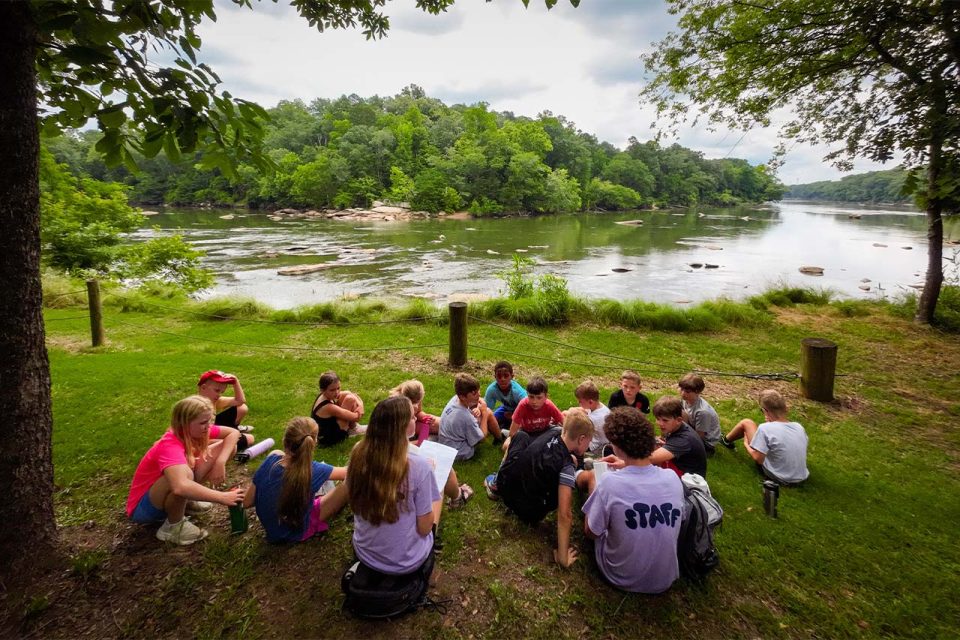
[[812, 271], [854, 216], [149, 213], [879, 244], [620, 269], [304, 269], [907, 248], [229, 216], [696, 265], [865, 280], [711, 266], [865, 287], [632, 223]]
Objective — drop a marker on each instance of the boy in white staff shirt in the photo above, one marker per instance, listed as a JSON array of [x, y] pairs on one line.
[[634, 515]]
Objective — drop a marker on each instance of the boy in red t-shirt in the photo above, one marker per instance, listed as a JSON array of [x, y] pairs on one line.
[[535, 413]]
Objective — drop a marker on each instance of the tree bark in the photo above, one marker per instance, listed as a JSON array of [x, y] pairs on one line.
[[28, 529], [933, 282]]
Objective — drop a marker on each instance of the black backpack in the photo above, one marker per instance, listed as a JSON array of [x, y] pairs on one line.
[[372, 594], [695, 549]]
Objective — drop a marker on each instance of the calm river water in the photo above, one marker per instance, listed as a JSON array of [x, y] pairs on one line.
[[748, 250]]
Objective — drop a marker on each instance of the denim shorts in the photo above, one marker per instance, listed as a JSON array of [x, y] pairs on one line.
[[146, 513]]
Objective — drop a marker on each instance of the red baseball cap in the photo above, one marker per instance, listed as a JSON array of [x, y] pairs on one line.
[[216, 376]]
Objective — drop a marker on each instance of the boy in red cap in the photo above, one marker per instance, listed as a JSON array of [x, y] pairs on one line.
[[230, 410]]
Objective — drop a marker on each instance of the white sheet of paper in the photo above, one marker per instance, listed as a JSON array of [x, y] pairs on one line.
[[599, 468], [442, 456]]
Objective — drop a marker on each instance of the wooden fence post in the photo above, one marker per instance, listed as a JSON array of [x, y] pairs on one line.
[[96, 312], [818, 366], [458, 333]]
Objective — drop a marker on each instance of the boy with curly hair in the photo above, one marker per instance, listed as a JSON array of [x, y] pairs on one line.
[[634, 515]]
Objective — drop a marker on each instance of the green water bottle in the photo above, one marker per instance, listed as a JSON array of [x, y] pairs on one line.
[[238, 519]]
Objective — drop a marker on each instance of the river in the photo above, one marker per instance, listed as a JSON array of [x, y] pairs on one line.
[[678, 257]]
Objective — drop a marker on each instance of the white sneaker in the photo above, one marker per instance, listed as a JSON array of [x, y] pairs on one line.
[[244, 428], [195, 507], [182, 533], [357, 430]]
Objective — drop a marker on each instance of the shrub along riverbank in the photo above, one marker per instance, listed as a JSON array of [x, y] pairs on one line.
[[865, 548]]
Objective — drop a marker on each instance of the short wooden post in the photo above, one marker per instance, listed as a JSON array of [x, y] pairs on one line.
[[458, 333], [818, 366], [96, 312]]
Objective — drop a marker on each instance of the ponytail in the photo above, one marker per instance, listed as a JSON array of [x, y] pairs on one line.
[[299, 442]]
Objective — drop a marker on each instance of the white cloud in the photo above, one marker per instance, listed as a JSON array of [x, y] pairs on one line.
[[582, 63]]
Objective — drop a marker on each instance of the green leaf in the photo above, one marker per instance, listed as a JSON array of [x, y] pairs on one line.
[[112, 117]]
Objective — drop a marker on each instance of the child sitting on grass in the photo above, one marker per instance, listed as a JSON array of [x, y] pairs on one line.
[[466, 420], [588, 397], [683, 450], [535, 413], [336, 412], [778, 446], [230, 410], [426, 424], [628, 395], [634, 515], [284, 486], [538, 475], [392, 493], [192, 451], [506, 391], [697, 412]]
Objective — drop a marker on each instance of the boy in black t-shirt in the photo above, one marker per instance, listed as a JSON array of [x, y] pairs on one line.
[[538, 475], [683, 449], [628, 395]]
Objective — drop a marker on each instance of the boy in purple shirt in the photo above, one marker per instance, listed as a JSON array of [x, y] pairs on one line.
[[634, 514]]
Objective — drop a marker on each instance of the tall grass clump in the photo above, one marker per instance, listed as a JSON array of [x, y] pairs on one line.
[[790, 296], [537, 300], [422, 310], [324, 312], [947, 314], [61, 291], [737, 314], [231, 308]]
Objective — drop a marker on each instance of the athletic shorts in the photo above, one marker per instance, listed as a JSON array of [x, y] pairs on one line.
[[146, 513], [316, 525]]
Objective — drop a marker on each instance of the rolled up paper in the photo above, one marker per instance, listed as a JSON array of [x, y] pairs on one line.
[[254, 450]]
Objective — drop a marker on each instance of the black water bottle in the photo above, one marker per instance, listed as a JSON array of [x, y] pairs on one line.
[[771, 493]]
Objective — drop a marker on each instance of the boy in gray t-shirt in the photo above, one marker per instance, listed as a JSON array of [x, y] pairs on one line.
[[777, 445], [699, 414], [466, 420]]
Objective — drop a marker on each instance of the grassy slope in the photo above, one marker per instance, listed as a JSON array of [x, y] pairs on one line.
[[866, 548]]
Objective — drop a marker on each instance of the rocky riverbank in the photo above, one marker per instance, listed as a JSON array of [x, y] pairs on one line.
[[378, 211]]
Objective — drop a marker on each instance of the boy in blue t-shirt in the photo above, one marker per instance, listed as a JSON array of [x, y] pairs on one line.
[[506, 391]]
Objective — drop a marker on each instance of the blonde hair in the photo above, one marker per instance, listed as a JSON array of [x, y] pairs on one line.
[[773, 402], [299, 441], [185, 412], [411, 389], [577, 423], [377, 472]]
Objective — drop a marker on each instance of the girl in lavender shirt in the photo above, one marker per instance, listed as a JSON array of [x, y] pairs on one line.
[[392, 493]]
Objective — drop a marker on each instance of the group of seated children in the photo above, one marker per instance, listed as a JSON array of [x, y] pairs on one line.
[[633, 516]]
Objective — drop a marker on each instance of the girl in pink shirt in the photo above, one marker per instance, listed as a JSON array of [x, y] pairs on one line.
[[170, 474]]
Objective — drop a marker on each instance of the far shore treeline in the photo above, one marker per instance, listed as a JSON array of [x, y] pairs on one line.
[[871, 187], [413, 148]]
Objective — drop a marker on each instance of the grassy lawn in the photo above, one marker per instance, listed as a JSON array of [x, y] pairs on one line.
[[866, 548]]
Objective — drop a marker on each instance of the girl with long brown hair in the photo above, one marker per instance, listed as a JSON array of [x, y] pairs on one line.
[[392, 493]]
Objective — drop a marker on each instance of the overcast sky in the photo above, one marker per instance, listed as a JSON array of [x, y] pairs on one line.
[[581, 63]]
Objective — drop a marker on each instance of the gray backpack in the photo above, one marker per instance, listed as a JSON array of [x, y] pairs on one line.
[[696, 551]]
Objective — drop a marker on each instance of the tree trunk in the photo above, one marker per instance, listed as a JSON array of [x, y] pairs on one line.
[[28, 529], [927, 304]]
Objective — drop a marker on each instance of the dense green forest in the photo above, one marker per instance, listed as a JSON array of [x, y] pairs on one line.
[[875, 186], [413, 148]]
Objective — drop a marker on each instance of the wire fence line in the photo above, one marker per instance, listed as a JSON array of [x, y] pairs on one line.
[[660, 367], [306, 323], [646, 366]]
